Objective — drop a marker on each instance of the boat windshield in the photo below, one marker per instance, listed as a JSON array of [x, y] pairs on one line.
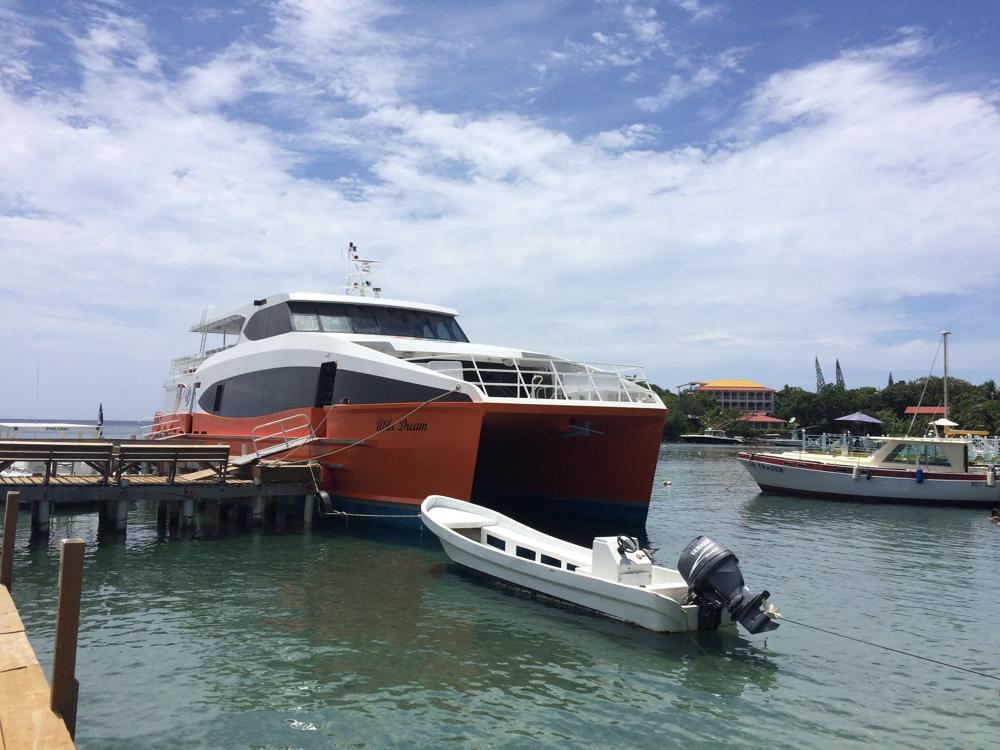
[[908, 453], [335, 317]]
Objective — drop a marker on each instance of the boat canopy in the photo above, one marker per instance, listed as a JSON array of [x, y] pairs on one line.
[[940, 454], [228, 324]]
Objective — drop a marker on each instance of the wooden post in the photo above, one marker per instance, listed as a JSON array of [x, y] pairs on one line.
[[65, 688], [9, 531]]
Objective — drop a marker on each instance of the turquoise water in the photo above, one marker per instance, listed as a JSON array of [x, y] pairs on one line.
[[359, 638]]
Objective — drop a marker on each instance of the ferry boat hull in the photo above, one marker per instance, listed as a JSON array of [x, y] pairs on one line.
[[802, 477], [591, 462]]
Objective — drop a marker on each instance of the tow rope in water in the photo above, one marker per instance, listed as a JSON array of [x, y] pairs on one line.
[[889, 648]]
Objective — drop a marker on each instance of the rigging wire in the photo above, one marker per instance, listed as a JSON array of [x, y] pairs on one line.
[[924, 391], [889, 648]]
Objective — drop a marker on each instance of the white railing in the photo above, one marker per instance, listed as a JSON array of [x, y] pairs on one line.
[[982, 450], [187, 365], [552, 379], [160, 427], [283, 432], [841, 444]]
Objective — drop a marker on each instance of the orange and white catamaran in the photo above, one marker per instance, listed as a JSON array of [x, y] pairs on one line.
[[395, 403]]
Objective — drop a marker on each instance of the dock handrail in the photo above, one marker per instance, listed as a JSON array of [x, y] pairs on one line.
[[281, 436], [97, 454], [546, 378]]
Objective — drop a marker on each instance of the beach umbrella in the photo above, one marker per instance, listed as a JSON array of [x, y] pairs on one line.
[[858, 417], [944, 423]]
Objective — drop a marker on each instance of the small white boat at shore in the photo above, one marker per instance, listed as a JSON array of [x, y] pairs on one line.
[[614, 578]]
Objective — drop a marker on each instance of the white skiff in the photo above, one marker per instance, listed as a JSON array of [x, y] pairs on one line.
[[614, 577]]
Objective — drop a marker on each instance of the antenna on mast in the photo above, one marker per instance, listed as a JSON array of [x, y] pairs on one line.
[[359, 274]]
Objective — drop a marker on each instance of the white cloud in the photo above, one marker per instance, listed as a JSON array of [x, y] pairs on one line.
[[851, 190], [680, 86], [698, 10]]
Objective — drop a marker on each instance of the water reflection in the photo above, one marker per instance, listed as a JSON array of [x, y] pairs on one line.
[[369, 637]]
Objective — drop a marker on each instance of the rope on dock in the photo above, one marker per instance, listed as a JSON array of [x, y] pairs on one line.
[[890, 648]]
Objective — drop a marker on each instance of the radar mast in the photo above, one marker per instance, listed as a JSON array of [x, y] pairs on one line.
[[359, 274]]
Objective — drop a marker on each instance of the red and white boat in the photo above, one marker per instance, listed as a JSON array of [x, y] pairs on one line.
[[922, 471], [395, 403]]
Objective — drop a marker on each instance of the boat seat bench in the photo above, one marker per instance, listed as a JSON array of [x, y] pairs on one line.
[[454, 518]]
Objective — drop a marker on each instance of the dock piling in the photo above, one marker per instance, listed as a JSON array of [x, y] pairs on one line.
[[65, 688], [121, 515], [307, 510], [41, 510], [9, 532]]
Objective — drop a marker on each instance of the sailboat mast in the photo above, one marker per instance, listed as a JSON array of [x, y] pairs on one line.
[[945, 334]]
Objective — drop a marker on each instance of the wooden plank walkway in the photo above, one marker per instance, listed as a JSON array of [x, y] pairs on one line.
[[26, 719]]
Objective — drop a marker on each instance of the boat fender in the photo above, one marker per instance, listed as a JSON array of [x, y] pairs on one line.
[[856, 472], [920, 476], [991, 476]]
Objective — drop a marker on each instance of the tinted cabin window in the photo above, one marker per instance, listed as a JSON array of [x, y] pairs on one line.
[[271, 321], [263, 392], [334, 317], [527, 554], [497, 542], [305, 321], [363, 320]]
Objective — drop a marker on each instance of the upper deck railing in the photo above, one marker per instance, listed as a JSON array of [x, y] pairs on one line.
[[550, 379], [187, 365]]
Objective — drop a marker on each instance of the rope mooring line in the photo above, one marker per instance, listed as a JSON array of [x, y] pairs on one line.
[[745, 465], [890, 648], [378, 432]]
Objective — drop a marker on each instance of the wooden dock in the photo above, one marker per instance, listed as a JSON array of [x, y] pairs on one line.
[[26, 718], [215, 490], [31, 715]]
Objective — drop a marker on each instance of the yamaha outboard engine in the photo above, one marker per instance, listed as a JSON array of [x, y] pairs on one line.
[[714, 579]]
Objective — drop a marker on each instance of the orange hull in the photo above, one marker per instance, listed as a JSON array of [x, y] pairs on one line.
[[595, 462]]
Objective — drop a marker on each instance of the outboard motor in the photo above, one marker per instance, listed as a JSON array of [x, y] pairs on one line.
[[714, 579]]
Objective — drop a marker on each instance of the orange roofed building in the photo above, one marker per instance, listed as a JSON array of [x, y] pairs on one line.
[[737, 395]]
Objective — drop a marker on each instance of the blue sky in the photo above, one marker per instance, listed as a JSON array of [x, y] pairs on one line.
[[710, 189]]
